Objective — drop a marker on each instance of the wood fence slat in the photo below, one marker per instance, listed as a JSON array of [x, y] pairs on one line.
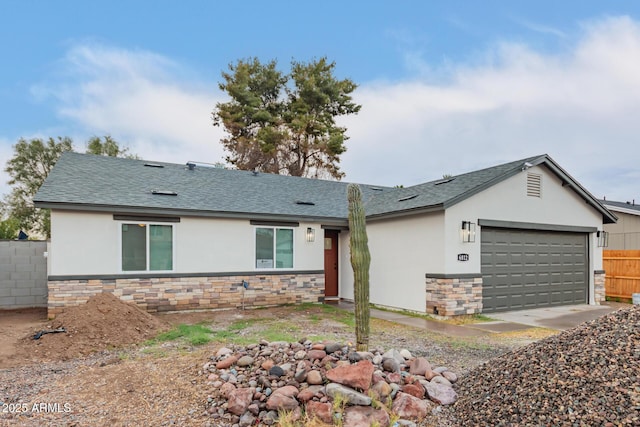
[[622, 272]]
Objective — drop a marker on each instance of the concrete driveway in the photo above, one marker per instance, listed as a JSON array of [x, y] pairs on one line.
[[560, 318]]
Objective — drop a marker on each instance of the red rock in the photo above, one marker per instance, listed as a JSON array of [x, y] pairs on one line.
[[239, 400], [429, 375], [316, 354], [283, 398], [321, 410], [365, 416], [226, 388], [226, 363], [394, 378], [267, 364], [415, 390], [314, 377], [308, 393], [419, 366], [357, 376], [317, 346], [407, 406]]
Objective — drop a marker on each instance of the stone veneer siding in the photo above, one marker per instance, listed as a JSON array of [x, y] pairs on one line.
[[598, 287], [191, 293], [454, 296]]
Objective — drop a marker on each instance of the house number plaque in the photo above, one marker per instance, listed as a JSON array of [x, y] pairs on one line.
[[463, 257]]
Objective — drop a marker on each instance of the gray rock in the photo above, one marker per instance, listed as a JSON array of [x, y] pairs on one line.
[[377, 359], [245, 361], [300, 375], [224, 351], [332, 347], [394, 354], [440, 393], [390, 365], [440, 380], [395, 388], [406, 354], [440, 369], [247, 419], [365, 355], [350, 395], [300, 354], [451, 376], [286, 367]]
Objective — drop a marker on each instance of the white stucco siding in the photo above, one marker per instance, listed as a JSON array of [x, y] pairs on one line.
[[508, 201], [402, 251], [83, 243], [89, 244]]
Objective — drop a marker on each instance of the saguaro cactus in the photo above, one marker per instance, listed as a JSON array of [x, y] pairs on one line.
[[360, 261]]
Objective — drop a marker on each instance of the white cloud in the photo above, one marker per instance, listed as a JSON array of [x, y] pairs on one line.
[[142, 99], [579, 106]]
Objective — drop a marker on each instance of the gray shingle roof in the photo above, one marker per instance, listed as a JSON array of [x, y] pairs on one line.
[[89, 182], [622, 206]]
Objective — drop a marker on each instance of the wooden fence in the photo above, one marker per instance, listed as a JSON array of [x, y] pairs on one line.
[[622, 269]]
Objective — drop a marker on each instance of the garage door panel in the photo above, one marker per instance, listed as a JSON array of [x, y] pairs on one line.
[[528, 269]]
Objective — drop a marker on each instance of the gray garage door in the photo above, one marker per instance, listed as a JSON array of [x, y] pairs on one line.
[[530, 269]]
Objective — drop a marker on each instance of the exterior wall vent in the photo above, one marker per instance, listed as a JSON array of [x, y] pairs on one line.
[[534, 185]]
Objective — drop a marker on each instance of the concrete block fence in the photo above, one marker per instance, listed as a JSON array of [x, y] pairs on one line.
[[23, 274]]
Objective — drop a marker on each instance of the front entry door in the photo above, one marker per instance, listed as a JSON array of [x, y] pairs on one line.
[[330, 264]]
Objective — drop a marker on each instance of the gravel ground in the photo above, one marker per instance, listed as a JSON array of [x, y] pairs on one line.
[[164, 385], [586, 376]]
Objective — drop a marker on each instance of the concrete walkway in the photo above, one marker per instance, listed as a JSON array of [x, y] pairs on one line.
[[559, 318]]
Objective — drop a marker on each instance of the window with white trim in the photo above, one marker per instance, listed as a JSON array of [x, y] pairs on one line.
[[147, 247], [274, 247]]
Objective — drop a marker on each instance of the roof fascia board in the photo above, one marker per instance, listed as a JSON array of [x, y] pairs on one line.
[[607, 216], [406, 212], [622, 210], [190, 213]]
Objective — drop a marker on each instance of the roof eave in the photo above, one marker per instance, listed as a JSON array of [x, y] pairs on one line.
[[338, 221], [406, 212]]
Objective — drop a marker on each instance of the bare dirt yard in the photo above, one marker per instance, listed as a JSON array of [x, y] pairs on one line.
[[117, 365]]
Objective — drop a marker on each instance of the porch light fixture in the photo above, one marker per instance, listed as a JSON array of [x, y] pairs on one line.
[[468, 232], [603, 238], [311, 235]]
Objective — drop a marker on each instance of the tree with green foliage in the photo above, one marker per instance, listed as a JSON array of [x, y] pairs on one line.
[[285, 123], [107, 146], [360, 262], [31, 163], [9, 228]]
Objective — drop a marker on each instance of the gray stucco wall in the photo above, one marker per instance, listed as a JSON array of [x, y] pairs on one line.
[[23, 274]]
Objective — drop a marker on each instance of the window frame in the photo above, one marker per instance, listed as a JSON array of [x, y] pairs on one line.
[[147, 225], [274, 228]]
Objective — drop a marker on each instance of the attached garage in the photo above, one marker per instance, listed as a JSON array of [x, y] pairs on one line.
[[524, 269]]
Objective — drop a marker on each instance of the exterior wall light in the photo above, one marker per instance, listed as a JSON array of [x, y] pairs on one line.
[[311, 234], [468, 232], [603, 238]]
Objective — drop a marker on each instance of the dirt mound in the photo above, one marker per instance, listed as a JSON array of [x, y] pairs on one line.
[[104, 322], [588, 375]]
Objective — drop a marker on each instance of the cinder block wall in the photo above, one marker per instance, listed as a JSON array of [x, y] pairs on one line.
[[23, 274]]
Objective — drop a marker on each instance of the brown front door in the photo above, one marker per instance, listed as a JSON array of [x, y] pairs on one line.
[[330, 264]]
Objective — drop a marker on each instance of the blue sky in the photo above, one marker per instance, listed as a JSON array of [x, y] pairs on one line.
[[446, 86]]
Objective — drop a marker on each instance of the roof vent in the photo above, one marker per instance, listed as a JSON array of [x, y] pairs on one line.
[[404, 199], [164, 193], [443, 181], [153, 165], [191, 166], [254, 172], [302, 202], [376, 188], [534, 185]]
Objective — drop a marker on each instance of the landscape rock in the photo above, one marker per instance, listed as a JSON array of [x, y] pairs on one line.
[[356, 376], [226, 362], [406, 354], [365, 416], [316, 354], [332, 347], [245, 361], [323, 411], [441, 393], [314, 378], [407, 406], [414, 390], [419, 366], [352, 396], [239, 400], [283, 398]]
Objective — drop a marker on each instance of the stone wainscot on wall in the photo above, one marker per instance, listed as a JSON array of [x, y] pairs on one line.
[[192, 292]]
